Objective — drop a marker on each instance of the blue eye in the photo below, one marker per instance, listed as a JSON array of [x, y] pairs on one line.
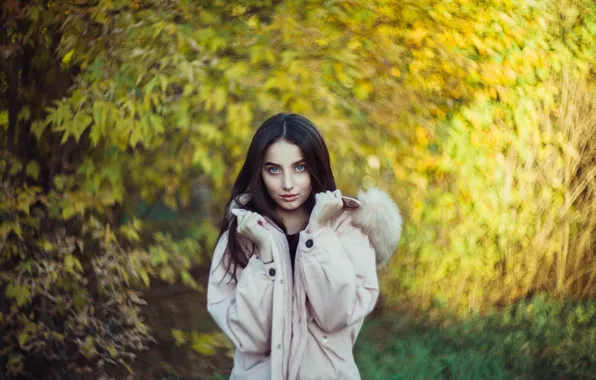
[[270, 170], [300, 168]]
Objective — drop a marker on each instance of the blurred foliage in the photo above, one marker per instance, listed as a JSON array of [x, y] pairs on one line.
[[541, 338], [204, 343], [123, 124], [67, 291]]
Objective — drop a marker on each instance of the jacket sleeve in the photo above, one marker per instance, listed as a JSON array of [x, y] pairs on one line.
[[243, 309], [339, 271]]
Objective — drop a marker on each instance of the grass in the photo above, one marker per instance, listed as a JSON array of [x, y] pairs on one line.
[[539, 339]]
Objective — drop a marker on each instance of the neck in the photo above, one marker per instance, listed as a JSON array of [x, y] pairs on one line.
[[294, 220]]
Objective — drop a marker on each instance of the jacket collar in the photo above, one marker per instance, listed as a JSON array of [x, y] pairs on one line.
[[373, 211]]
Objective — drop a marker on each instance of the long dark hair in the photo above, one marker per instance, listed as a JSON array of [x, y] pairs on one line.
[[295, 129]]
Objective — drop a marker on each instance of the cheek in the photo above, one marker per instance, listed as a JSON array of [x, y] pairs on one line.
[[269, 183], [305, 182]]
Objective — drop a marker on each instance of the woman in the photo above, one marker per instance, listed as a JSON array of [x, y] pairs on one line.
[[294, 270]]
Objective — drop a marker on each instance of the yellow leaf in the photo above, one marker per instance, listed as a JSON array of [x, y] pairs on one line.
[[109, 236], [179, 336], [421, 136], [47, 246], [88, 346], [23, 337], [203, 344], [112, 350], [15, 363], [68, 211], [145, 278], [418, 35], [69, 263], [341, 75], [362, 91], [77, 264], [219, 97]]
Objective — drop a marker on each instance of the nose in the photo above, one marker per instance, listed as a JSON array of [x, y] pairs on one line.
[[287, 182]]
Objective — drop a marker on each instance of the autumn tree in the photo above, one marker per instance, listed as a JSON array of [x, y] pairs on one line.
[[112, 109]]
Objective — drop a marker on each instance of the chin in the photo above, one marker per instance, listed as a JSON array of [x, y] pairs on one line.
[[290, 206]]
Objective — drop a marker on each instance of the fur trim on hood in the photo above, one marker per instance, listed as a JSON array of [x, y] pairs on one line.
[[380, 219], [374, 212]]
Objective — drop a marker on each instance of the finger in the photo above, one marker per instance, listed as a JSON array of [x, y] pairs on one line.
[[246, 219], [241, 218], [240, 225], [252, 219], [340, 201]]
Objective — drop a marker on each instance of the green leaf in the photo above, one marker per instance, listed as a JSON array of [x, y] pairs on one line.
[[96, 67], [163, 82], [37, 128], [24, 114], [188, 280], [32, 170], [24, 206], [20, 293], [15, 168]]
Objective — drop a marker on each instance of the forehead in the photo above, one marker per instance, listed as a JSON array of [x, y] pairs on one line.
[[283, 152]]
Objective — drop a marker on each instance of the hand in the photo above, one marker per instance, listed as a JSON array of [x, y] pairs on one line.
[[327, 206], [252, 226]]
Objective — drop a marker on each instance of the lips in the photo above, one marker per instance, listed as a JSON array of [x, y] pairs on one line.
[[289, 197]]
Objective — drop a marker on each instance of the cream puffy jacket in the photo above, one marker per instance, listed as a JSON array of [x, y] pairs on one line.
[[304, 325]]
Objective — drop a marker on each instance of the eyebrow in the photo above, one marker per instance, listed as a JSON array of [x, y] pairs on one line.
[[268, 163]]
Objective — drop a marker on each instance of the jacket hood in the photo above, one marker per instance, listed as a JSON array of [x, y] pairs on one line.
[[374, 212]]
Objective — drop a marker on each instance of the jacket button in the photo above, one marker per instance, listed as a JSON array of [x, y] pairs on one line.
[[272, 272], [309, 243], [324, 338]]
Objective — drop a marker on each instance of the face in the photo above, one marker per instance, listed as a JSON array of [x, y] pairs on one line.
[[285, 175]]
